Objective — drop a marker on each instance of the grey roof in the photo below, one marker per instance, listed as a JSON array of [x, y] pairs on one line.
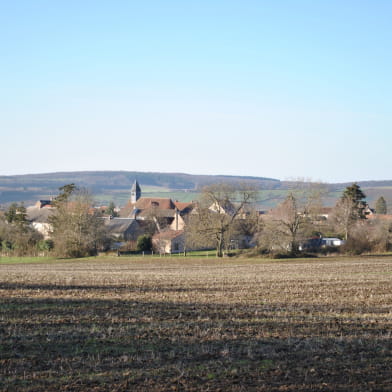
[[40, 215], [159, 213], [136, 187], [120, 225]]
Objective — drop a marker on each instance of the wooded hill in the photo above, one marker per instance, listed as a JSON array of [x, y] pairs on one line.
[[115, 186]]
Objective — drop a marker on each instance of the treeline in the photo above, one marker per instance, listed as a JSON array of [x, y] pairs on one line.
[[76, 230], [31, 187], [123, 179], [224, 218], [17, 237], [293, 228]]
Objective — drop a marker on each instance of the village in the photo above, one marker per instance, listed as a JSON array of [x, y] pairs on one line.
[[224, 223]]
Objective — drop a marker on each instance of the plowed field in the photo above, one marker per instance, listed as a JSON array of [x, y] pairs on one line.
[[177, 324]]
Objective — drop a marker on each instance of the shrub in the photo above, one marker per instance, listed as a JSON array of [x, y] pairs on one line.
[[144, 243]]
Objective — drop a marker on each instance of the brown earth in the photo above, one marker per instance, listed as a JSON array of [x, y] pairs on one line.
[[197, 325]]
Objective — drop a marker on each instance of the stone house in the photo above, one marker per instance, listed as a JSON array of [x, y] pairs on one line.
[[169, 241]]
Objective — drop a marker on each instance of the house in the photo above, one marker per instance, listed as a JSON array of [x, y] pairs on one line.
[[125, 229], [367, 211], [169, 241], [38, 217], [225, 207], [325, 212], [141, 215], [164, 212]]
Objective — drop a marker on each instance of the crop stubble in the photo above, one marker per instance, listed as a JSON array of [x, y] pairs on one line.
[[196, 325]]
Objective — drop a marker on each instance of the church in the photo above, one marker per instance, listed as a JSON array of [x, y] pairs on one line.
[[162, 218], [164, 211]]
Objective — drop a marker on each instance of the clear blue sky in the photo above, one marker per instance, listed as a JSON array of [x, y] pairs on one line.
[[281, 89]]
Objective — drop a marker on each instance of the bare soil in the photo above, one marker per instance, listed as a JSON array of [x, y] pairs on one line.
[[197, 325]]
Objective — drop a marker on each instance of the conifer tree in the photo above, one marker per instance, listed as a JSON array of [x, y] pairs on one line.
[[349, 209], [353, 194], [381, 206]]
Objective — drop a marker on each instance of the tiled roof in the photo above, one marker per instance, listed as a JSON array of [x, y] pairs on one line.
[[44, 203], [159, 213], [36, 214], [181, 206], [158, 202], [126, 211], [147, 203]]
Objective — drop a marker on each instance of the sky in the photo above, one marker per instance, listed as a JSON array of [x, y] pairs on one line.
[[284, 89]]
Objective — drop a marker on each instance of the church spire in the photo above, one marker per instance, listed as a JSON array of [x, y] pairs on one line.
[[135, 192]]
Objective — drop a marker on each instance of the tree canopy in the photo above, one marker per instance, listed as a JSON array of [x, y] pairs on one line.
[[349, 209], [217, 214], [354, 196], [77, 229], [381, 206]]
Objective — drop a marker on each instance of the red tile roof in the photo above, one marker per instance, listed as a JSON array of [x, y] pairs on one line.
[[158, 202], [182, 206]]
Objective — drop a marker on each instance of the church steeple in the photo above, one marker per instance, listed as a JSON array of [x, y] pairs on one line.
[[135, 192]]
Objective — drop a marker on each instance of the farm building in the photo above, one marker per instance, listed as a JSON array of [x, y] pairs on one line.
[[169, 241]]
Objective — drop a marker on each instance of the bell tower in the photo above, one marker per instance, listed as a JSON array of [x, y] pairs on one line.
[[135, 192]]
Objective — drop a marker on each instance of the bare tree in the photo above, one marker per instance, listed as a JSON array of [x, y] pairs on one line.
[[343, 216], [373, 235], [216, 216], [77, 229], [296, 218], [284, 226]]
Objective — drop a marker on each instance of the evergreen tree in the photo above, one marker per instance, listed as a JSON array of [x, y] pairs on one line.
[[16, 235], [66, 192], [16, 215], [354, 196], [381, 206], [349, 209], [144, 243], [354, 192], [10, 214], [111, 210]]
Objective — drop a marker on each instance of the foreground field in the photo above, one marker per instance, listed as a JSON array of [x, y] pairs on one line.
[[196, 325]]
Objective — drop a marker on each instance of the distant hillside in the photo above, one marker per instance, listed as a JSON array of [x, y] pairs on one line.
[[115, 186]]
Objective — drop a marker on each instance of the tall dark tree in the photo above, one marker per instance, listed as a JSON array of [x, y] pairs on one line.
[[66, 192], [354, 192], [144, 243], [381, 206], [355, 195], [16, 214], [349, 209]]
